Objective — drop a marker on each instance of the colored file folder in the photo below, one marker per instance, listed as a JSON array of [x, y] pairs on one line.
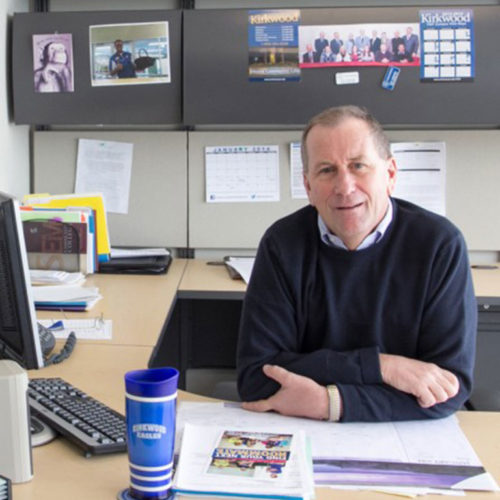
[[94, 201]]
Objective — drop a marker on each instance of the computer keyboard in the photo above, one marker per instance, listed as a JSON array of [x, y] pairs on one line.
[[90, 424]]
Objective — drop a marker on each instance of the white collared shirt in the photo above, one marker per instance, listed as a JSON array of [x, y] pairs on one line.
[[374, 237]]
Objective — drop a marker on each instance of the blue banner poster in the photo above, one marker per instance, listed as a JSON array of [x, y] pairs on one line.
[[273, 45], [447, 49]]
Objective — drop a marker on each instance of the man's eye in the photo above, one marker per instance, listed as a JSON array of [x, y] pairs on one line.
[[358, 166], [325, 170]]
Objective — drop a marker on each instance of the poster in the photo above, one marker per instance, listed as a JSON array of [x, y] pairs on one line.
[[273, 45], [368, 44], [448, 45], [53, 63]]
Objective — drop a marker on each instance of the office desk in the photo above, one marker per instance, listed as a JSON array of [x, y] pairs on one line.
[[61, 471], [202, 329], [137, 304]]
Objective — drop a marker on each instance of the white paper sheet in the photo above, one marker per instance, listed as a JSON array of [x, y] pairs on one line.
[[421, 176], [242, 174], [296, 178], [88, 329], [130, 253], [243, 266], [105, 167]]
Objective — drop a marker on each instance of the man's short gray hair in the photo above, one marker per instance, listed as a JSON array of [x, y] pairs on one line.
[[332, 117]]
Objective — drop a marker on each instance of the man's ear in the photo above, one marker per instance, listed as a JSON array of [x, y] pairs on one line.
[[392, 170], [307, 185]]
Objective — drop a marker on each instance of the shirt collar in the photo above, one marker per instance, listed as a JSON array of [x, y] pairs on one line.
[[374, 237]]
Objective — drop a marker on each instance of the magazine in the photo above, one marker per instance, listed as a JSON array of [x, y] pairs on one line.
[[265, 463]]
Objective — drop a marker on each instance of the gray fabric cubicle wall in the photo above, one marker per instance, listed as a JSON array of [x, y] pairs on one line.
[[126, 104], [217, 90], [161, 200], [472, 180], [158, 187]]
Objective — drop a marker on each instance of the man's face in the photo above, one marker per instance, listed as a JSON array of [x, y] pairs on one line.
[[347, 180], [119, 46]]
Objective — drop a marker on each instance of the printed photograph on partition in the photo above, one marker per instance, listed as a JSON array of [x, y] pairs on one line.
[[257, 455], [53, 62], [129, 54], [373, 44], [273, 45]]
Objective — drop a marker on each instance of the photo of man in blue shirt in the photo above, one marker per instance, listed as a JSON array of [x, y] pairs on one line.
[[121, 63]]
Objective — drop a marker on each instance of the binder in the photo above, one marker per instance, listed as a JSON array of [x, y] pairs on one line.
[[154, 264]]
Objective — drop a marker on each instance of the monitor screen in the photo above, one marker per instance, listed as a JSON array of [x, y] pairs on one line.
[[19, 339]]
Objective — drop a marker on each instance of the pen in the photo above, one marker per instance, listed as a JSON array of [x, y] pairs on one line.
[[58, 325], [484, 266]]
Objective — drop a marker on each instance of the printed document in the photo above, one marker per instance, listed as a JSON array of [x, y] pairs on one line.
[[260, 461], [421, 176], [105, 167], [296, 178]]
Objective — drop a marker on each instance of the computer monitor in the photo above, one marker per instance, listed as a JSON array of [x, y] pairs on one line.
[[19, 338]]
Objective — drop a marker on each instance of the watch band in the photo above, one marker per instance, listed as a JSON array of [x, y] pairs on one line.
[[334, 403]]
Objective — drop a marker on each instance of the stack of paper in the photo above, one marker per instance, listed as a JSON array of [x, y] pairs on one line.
[[132, 253], [46, 277], [68, 298], [261, 462]]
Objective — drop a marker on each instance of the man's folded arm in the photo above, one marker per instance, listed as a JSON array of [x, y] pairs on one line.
[[325, 366]]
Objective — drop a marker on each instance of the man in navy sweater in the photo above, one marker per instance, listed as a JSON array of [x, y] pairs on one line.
[[360, 306]]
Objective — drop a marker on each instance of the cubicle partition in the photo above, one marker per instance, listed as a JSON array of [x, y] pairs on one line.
[[168, 178], [157, 213], [217, 89], [131, 104]]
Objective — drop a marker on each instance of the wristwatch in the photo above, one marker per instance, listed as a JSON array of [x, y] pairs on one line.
[[334, 403]]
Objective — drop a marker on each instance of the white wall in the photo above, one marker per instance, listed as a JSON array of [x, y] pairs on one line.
[[14, 139]]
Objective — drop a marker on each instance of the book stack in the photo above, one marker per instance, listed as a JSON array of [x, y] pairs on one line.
[[65, 232], [258, 463]]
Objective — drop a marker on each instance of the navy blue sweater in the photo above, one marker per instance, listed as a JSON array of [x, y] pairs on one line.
[[327, 313]]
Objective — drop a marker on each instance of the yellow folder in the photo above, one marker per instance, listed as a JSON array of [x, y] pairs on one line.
[[93, 200]]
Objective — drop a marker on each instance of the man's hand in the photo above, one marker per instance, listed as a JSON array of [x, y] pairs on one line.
[[429, 383], [298, 396]]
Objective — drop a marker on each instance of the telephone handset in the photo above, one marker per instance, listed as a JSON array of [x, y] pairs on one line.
[[48, 342]]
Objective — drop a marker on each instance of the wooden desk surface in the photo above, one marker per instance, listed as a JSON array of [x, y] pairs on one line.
[[487, 282], [201, 277], [60, 469], [137, 304]]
